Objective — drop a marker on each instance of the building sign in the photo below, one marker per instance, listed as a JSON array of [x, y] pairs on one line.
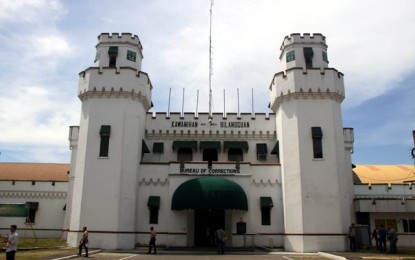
[[225, 124], [13, 210], [208, 171], [235, 124], [184, 124]]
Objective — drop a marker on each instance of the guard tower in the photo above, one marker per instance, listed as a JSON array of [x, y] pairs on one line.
[[115, 96], [315, 162]]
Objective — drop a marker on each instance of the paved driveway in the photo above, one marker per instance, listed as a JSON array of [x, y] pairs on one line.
[[206, 256]]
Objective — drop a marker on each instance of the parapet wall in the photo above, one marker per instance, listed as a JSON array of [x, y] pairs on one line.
[[304, 38], [259, 124], [120, 38], [300, 83]]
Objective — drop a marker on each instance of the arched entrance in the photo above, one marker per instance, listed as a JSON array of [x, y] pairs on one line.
[[209, 197]]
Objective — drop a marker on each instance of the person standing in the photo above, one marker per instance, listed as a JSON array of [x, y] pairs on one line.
[[83, 242], [352, 237], [152, 242], [376, 237], [393, 239], [382, 233], [11, 243], [220, 237]]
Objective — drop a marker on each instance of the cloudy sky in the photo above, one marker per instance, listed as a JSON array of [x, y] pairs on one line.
[[45, 44]]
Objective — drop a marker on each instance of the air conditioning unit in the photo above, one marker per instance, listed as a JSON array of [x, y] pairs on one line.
[[262, 157]]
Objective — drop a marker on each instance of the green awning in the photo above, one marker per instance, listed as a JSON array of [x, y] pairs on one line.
[[153, 202], [209, 193], [113, 50], [261, 149], [158, 147], [308, 52], [276, 149], [266, 202], [184, 144], [316, 132], [105, 130], [144, 147], [235, 144], [209, 145]]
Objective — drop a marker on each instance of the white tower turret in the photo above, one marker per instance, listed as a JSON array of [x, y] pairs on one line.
[[115, 97], [316, 172]]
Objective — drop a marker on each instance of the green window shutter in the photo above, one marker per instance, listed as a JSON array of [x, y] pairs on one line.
[[158, 147], [210, 145], [105, 130], [290, 56], [32, 205], [184, 144], [261, 149], [316, 132], [131, 55], [325, 57], [97, 56], [144, 147], [235, 145], [13, 210], [266, 202], [308, 52], [113, 50], [153, 202], [276, 149]]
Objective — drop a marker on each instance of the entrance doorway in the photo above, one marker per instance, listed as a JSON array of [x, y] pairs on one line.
[[206, 223]]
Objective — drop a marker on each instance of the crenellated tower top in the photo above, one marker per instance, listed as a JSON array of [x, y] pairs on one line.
[[119, 50], [305, 51]]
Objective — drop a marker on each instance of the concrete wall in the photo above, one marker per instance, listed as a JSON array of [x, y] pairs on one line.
[[50, 214]]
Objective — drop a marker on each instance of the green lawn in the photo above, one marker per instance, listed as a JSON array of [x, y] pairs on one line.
[[41, 242], [46, 249], [43, 254]]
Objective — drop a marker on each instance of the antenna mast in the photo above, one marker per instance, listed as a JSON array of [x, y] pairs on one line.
[[210, 62]]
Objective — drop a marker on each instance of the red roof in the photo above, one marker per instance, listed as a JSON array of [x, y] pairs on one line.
[[34, 172]]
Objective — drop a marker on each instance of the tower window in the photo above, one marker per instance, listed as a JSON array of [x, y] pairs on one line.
[[265, 216], [97, 56], [261, 152], [113, 53], [158, 147], [308, 56], [153, 205], [290, 56], [408, 225], [185, 154], [266, 206], [131, 55], [210, 155], [325, 57], [31, 207], [317, 135], [105, 140], [235, 155]]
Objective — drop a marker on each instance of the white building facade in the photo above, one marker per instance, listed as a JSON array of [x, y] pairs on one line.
[[285, 175]]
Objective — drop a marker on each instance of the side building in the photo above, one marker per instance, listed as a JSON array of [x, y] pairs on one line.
[[33, 196]]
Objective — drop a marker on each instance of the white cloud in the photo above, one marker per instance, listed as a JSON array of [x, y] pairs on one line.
[[50, 45], [32, 11], [45, 44]]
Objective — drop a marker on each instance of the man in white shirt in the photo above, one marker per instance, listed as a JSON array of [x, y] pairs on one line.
[[11, 243]]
